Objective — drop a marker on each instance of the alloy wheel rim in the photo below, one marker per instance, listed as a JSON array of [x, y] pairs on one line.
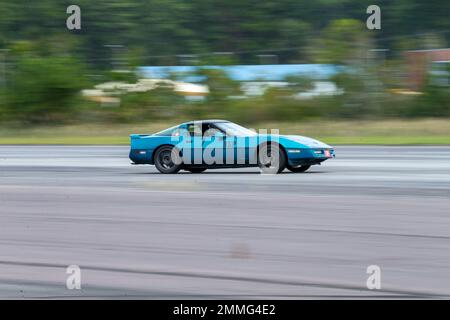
[[267, 160], [165, 159]]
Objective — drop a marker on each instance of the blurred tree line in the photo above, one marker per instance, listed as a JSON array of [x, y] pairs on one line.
[[44, 66]]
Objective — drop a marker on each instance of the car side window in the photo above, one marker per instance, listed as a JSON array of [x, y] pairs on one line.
[[194, 129], [211, 132]]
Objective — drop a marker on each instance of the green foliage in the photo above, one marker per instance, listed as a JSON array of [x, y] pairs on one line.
[[121, 76], [159, 30], [435, 102], [47, 65], [43, 89], [343, 41], [159, 104], [220, 86]]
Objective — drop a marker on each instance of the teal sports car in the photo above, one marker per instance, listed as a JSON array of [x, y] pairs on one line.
[[213, 144]]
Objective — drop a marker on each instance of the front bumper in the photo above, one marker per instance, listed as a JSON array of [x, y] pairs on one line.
[[309, 156]]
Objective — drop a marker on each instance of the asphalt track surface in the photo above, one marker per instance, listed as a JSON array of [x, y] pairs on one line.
[[136, 233]]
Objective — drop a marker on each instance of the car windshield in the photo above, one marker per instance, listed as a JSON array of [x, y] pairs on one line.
[[166, 132], [233, 129]]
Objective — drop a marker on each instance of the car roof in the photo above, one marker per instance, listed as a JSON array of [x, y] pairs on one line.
[[206, 121]]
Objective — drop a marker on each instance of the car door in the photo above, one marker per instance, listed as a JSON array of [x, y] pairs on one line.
[[241, 149], [213, 145], [194, 144]]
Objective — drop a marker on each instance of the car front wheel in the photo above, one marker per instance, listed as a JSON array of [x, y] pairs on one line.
[[271, 159]]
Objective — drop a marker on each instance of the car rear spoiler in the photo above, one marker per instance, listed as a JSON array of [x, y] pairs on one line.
[[138, 136]]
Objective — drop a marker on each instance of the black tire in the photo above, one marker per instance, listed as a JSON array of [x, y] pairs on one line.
[[196, 170], [269, 164], [298, 169], [164, 160]]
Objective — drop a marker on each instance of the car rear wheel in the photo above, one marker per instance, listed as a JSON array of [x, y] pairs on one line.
[[196, 170], [271, 159], [298, 168], [166, 160]]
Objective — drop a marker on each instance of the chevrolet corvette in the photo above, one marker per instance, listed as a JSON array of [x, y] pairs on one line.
[[212, 144]]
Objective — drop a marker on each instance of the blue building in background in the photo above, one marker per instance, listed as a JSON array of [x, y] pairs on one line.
[[244, 73]]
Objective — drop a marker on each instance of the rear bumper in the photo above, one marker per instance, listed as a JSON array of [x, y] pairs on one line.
[[141, 156]]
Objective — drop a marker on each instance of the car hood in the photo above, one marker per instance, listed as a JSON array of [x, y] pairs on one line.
[[309, 142]]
